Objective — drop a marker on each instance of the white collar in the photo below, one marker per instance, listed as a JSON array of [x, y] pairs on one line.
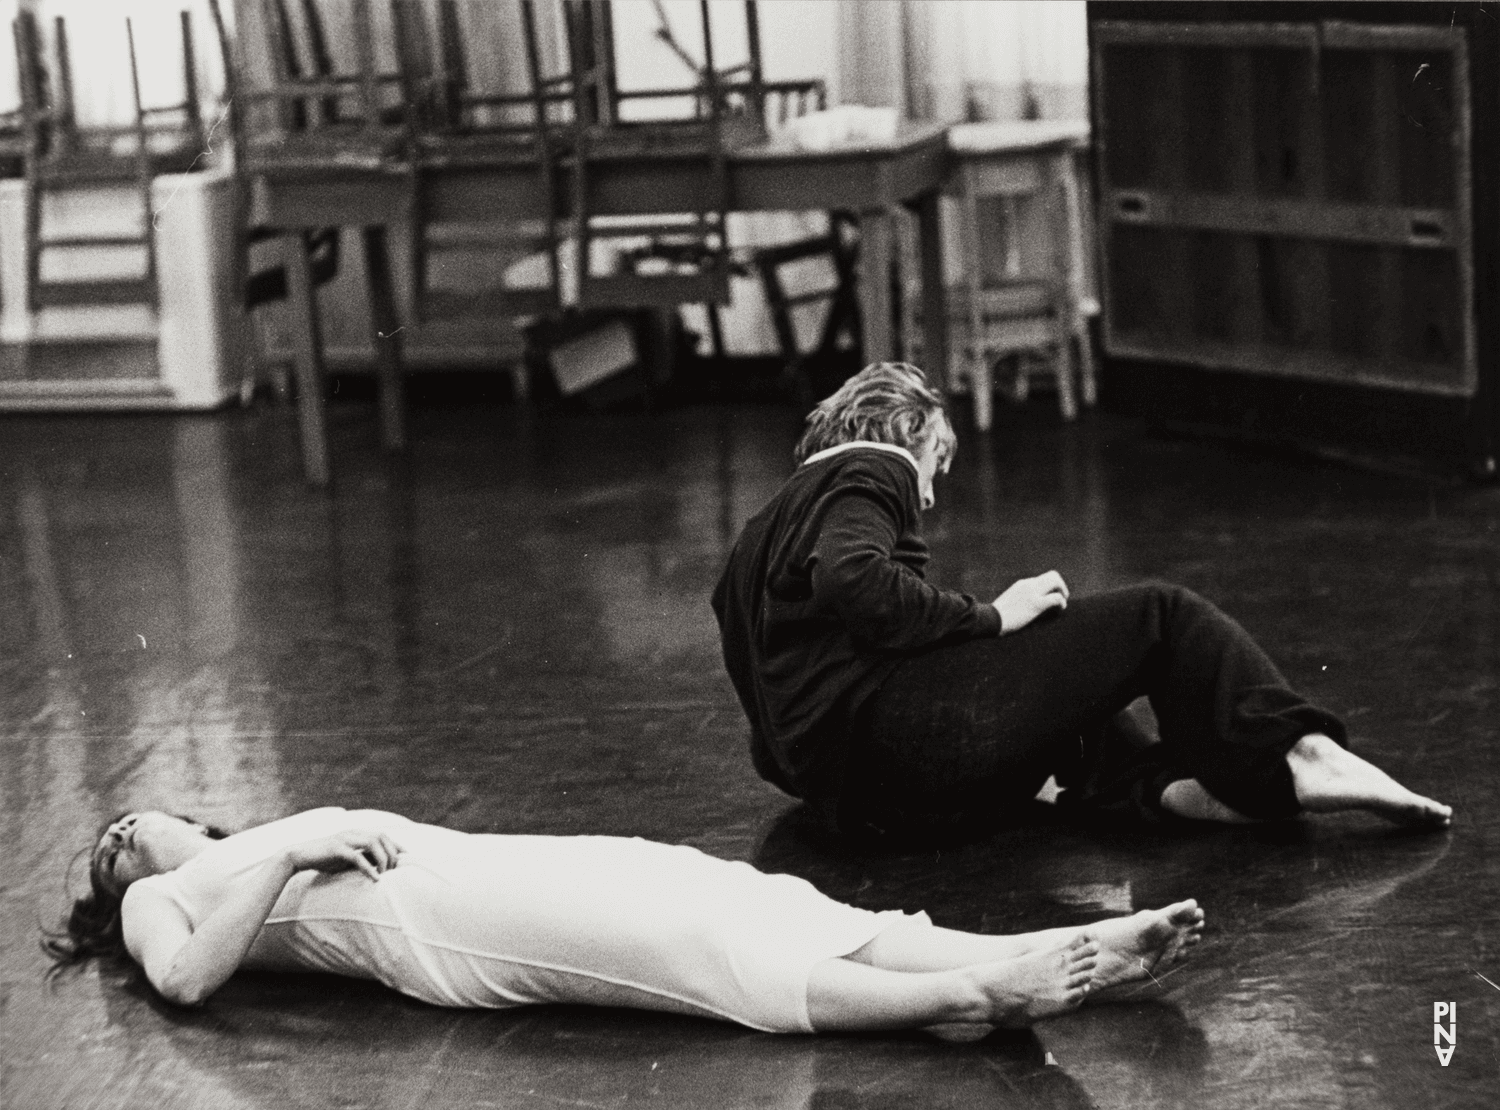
[[837, 449]]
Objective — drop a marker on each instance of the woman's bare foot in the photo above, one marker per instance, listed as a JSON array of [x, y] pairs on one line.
[[1145, 943], [1329, 778], [1039, 985]]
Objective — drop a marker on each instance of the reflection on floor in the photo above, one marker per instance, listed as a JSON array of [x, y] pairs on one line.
[[508, 631]]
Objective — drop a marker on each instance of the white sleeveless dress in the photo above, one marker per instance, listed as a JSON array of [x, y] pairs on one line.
[[499, 921]]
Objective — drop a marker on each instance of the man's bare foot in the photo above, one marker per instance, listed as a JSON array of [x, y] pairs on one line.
[[1329, 778], [1144, 944], [1039, 985]]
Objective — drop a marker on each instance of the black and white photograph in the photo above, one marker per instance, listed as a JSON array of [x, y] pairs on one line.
[[749, 554]]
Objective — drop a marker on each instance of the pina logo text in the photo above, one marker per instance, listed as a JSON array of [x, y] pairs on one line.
[[1441, 1033]]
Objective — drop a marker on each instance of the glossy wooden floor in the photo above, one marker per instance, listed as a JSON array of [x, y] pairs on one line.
[[508, 630]]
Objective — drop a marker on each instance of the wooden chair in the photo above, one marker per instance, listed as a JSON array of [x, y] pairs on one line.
[[320, 130], [669, 258], [788, 289], [175, 135], [1026, 305], [270, 282], [176, 138], [465, 136], [834, 288], [303, 115], [62, 158]]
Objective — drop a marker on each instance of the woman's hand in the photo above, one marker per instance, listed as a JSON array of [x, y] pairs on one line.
[[370, 852], [186, 964], [1029, 598]]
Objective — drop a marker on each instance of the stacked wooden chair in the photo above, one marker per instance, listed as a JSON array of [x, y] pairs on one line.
[[680, 254], [485, 170], [299, 113], [340, 139], [269, 282], [62, 157]]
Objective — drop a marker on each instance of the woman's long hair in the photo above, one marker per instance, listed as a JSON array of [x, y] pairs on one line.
[[886, 402], [93, 927]]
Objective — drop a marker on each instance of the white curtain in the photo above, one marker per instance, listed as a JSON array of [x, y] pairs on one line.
[[996, 59]]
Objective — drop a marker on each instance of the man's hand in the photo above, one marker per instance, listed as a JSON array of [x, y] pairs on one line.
[[1030, 598]]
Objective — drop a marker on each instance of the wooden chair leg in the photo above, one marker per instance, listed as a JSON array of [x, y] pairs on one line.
[[312, 414], [1087, 380], [1063, 361], [981, 385], [385, 335]]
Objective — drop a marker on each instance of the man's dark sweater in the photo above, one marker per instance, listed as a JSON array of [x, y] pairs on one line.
[[823, 596]]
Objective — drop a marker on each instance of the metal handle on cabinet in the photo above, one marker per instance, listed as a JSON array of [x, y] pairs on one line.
[[1428, 232], [1131, 206]]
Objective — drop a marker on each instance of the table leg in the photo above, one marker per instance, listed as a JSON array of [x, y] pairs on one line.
[[875, 284], [385, 336], [312, 414], [934, 291]]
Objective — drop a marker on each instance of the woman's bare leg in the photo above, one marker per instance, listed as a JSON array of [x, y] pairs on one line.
[[847, 995], [914, 946], [1328, 778], [1130, 948]]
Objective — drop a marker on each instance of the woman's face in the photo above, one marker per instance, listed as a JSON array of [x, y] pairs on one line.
[[141, 844]]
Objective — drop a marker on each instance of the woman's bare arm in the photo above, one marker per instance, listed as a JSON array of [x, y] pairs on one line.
[[187, 965]]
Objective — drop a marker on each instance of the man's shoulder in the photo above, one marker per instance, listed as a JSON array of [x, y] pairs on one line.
[[864, 464]]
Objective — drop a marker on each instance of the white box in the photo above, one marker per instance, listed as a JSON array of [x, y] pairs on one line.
[[197, 322]]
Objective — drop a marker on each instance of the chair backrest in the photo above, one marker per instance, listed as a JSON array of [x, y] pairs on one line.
[[737, 90], [416, 63], [286, 64], [787, 100], [591, 61], [442, 80], [48, 105], [35, 88]]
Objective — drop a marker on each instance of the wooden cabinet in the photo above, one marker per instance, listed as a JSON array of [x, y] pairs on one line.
[[1287, 195]]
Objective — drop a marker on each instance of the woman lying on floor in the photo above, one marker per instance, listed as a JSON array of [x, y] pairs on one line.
[[904, 712], [457, 919]]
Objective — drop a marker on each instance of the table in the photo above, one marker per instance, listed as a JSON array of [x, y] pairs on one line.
[[871, 179]]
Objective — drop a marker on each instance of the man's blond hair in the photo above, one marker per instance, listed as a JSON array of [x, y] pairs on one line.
[[886, 402]]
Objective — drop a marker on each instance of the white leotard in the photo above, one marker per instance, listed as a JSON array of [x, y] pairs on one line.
[[497, 921]]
